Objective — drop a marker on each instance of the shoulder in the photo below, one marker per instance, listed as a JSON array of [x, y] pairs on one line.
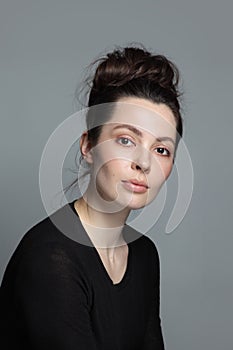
[[50, 242], [61, 227]]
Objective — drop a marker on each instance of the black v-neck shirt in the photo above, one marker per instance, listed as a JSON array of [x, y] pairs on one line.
[[57, 295]]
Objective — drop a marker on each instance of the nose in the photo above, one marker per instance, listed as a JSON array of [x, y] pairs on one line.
[[142, 161]]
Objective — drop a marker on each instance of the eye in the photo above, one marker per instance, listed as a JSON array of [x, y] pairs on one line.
[[163, 151], [125, 141]]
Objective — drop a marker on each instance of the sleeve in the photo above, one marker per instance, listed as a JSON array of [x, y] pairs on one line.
[[53, 299], [154, 339]]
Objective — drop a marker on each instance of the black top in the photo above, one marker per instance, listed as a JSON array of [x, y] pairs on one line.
[[56, 293]]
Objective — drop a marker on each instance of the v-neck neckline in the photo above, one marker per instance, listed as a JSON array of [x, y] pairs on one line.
[[125, 277], [127, 272]]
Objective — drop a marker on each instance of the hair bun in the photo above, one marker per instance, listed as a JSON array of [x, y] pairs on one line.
[[124, 65]]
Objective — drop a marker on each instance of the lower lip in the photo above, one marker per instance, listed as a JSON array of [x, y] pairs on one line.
[[134, 188]]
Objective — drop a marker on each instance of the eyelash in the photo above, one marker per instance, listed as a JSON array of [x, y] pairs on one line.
[[165, 149], [119, 140]]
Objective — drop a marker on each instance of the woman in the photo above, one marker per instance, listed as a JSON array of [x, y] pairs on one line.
[[82, 278]]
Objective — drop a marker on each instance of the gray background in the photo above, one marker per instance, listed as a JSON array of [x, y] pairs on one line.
[[45, 46]]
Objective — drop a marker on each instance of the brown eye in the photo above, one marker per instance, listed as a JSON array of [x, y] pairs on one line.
[[163, 151]]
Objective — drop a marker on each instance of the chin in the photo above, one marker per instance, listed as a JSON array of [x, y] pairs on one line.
[[136, 201], [139, 204]]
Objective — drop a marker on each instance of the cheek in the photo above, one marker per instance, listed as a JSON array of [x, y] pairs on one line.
[[167, 170], [161, 170], [105, 156], [110, 169], [117, 165]]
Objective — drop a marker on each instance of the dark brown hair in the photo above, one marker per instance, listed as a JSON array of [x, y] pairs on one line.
[[133, 72]]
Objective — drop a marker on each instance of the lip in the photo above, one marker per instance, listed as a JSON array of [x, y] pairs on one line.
[[135, 186]]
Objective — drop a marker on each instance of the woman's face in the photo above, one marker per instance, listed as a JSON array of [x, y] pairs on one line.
[[134, 153]]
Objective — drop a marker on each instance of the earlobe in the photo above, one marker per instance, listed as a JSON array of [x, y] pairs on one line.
[[85, 148], [88, 158]]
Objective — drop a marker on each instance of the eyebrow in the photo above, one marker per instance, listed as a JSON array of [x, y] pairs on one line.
[[139, 133]]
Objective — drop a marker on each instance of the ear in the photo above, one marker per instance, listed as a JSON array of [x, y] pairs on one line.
[[85, 148]]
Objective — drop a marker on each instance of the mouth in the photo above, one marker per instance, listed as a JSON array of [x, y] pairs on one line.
[[135, 186]]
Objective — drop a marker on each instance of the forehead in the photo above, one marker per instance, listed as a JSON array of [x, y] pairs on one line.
[[156, 119]]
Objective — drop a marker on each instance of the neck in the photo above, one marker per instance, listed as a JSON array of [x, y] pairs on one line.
[[104, 228]]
